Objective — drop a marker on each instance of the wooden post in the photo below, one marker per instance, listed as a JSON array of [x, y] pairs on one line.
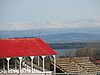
[[20, 60], [54, 63], [4, 65], [31, 63], [8, 64], [43, 63], [15, 64], [38, 61]]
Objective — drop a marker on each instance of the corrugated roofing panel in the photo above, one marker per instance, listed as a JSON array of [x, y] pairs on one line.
[[15, 47]]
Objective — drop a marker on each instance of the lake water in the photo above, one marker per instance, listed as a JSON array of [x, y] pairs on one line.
[[64, 52]]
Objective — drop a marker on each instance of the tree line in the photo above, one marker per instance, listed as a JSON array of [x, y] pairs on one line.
[[74, 45], [84, 49]]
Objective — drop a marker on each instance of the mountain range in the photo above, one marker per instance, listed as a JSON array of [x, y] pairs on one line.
[[71, 37], [56, 35]]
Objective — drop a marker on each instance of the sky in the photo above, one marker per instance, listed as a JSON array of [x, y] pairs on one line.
[[35, 14]]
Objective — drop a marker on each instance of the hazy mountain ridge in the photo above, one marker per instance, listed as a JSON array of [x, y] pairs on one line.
[[71, 37], [54, 35]]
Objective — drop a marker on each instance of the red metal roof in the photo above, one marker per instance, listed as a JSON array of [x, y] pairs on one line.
[[97, 61], [15, 47]]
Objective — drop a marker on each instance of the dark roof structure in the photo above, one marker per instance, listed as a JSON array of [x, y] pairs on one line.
[[19, 47]]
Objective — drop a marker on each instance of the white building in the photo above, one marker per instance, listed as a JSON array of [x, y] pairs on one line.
[[19, 49]]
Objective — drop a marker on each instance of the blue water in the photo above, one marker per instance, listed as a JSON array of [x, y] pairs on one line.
[[63, 52]]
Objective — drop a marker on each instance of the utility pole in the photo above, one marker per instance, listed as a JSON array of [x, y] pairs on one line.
[[39, 32]]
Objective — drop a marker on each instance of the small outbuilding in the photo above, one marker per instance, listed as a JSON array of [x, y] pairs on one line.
[[24, 47]]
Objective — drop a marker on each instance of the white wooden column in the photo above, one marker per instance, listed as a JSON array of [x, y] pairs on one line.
[[31, 63], [8, 64], [15, 64], [4, 65], [38, 61], [20, 60], [54, 63], [43, 62]]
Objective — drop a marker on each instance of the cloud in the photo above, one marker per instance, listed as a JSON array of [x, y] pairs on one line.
[[88, 23], [19, 26]]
